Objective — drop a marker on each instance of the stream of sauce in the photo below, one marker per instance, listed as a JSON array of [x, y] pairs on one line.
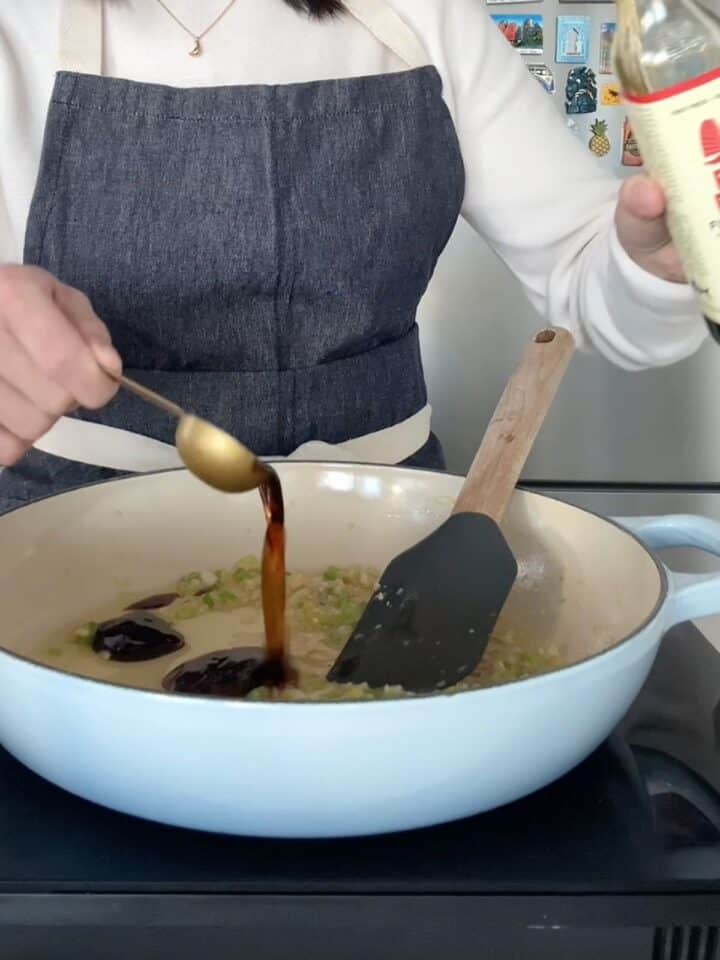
[[236, 672], [276, 668], [141, 635]]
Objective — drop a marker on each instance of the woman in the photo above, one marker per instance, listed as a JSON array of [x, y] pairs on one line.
[[249, 202]]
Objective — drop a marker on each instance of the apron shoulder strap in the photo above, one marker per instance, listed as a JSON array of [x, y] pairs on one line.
[[390, 29], [81, 36]]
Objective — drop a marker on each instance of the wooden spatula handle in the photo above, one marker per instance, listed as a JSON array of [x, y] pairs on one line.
[[515, 424]]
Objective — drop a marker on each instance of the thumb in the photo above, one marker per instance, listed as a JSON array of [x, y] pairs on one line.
[[640, 217]]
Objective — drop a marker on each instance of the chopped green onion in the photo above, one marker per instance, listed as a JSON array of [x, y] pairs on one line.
[[186, 610], [190, 584], [332, 573], [86, 633], [350, 613]]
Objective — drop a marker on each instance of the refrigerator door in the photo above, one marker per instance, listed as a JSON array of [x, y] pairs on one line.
[[606, 425]]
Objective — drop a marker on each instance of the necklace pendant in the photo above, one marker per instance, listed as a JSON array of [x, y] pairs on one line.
[[197, 49]]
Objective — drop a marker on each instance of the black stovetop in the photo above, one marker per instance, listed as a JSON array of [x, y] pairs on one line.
[[636, 824]]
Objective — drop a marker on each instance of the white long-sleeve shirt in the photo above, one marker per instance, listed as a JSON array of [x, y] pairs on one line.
[[521, 162]]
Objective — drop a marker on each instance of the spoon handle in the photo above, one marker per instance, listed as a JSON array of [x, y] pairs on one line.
[[518, 417], [150, 396]]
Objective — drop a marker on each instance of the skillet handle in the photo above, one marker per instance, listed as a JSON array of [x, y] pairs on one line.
[[691, 595], [515, 424]]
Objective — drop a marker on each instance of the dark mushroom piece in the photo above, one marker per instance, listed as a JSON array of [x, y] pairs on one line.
[[135, 637], [232, 673]]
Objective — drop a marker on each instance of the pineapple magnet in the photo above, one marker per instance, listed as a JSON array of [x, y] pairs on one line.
[[581, 91], [599, 142], [630, 151]]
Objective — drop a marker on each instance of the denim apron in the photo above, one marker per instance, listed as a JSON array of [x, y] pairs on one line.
[[257, 252]]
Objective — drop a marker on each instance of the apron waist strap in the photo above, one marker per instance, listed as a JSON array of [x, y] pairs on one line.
[[115, 449], [367, 397]]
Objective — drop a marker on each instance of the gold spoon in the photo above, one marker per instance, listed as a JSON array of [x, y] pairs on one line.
[[206, 450]]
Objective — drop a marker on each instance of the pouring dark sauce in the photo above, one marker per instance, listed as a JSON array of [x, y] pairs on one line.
[[141, 635], [236, 672], [276, 670]]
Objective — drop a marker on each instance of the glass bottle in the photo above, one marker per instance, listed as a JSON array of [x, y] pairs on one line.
[[667, 58]]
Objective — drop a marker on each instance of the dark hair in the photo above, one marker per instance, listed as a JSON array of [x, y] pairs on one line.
[[317, 8]]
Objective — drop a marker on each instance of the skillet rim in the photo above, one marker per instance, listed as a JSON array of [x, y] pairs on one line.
[[417, 700]]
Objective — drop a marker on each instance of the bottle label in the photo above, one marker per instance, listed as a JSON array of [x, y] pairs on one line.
[[678, 133]]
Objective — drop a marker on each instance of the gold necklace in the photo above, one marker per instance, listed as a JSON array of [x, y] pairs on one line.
[[197, 37]]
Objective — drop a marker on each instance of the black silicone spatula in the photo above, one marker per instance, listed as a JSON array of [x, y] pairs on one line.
[[429, 621]]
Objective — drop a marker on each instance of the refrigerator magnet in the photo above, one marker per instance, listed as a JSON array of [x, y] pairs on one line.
[[630, 152], [573, 39], [544, 75], [524, 31], [610, 95], [581, 91], [599, 142], [607, 35]]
